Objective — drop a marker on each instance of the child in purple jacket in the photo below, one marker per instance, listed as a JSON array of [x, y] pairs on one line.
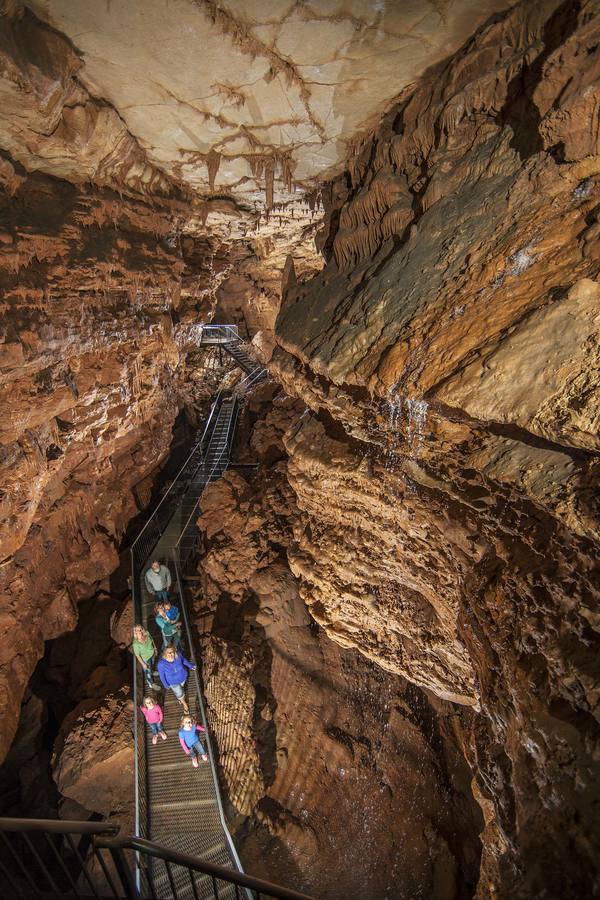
[[190, 740]]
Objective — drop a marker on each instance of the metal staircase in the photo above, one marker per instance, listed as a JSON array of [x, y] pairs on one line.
[[178, 806], [182, 847], [227, 337]]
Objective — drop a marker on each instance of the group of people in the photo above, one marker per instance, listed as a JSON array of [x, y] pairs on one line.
[[172, 667]]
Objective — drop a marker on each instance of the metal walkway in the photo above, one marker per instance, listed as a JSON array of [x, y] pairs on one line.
[[178, 805], [227, 337]]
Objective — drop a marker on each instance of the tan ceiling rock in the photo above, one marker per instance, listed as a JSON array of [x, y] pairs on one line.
[[250, 99]]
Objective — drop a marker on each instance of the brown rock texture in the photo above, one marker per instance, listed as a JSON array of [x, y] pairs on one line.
[[94, 758], [408, 584], [121, 96], [320, 750], [95, 311], [447, 468]]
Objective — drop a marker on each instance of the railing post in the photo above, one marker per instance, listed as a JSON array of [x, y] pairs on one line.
[[123, 871]]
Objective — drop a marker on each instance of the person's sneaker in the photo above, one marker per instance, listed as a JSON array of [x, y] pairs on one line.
[[201, 727], [156, 687], [163, 735], [154, 738], [204, 758], [195, 762]]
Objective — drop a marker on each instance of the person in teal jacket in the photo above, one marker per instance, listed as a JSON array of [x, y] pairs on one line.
[[170, 628]]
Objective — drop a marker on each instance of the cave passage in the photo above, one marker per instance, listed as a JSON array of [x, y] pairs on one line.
[[301, 299]]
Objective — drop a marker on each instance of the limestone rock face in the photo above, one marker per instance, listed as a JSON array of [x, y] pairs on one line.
[[94, 765], [96, 312], [237, 107], [320, 750], [365, 562], [446, 468], [245, 99]]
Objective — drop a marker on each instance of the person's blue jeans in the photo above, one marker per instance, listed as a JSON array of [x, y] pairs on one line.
[[178, 690], [148, 674], [197, 749], [174, 639], [156, 727], [161, 596]]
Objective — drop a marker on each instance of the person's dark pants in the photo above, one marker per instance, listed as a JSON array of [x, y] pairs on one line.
[[197, 749], [161, 596], [156, 727], [174, 639]]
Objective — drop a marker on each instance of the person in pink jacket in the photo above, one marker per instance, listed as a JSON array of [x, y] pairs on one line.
[[153, 715]]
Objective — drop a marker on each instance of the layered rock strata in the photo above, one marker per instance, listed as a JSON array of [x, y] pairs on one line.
[[321, 752], [95, 311], [446, 465]]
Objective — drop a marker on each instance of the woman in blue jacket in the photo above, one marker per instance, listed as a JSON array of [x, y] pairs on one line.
[[172, 670]]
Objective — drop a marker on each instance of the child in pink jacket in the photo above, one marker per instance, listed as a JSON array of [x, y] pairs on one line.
[[153, 715]]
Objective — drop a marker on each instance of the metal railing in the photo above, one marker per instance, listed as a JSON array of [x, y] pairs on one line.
[[181, 545], [48, 858], [162, 513], [189, 535], [219, 334], [81, 859]]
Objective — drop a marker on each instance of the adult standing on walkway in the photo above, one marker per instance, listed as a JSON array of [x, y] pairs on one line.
[[168, 623], [172, 671], [144, 650], [158, 581]]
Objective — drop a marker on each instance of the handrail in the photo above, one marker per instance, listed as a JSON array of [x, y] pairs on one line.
[[106, 836], [239, 391], [139, 558], [203, 866], [216, 463], [177, 476], [200, 697], [58, 826], [229, 332]]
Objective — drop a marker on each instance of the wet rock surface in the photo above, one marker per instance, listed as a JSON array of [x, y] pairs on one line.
[[320, 750], [447, 464]]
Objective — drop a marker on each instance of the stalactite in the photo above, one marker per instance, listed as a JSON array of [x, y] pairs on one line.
[[213, 161], [269, 171]]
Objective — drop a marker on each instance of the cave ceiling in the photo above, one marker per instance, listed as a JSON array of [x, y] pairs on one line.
[[241, 103]]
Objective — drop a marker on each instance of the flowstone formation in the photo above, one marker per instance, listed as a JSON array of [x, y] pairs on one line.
[[447, 462]]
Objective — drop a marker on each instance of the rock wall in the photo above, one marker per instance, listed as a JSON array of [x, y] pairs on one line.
[[342, 779], [97, 301], [446, 465]]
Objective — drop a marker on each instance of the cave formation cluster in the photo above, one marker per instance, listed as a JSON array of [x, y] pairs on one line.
[[397, 594]]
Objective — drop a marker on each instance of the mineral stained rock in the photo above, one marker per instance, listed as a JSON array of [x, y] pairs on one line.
[[423, 523], [321, 751], [88, 389], [94, 757], [242, 99], [447, 463]]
